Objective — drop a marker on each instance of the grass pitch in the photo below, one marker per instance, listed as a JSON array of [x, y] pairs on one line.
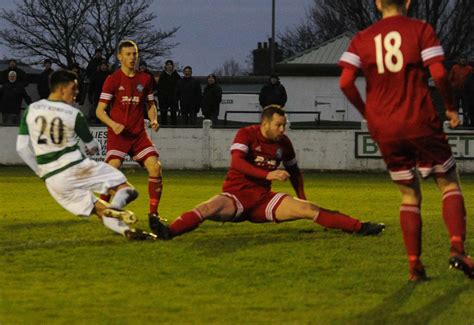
[[57, 268]]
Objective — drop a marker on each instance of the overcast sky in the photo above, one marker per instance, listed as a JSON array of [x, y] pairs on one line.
[[213, 31]]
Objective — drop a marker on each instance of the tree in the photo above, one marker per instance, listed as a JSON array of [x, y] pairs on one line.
[[230, 68], [68, 31], [326, 19]]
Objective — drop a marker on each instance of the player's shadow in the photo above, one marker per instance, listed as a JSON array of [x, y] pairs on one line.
[[387, 311], [228, 243]]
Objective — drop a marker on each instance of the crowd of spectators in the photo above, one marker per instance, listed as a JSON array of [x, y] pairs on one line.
[[180, 98]]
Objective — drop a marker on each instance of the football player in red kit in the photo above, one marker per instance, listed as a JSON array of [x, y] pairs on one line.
[[257, 151], [401, 118], [126, 92]]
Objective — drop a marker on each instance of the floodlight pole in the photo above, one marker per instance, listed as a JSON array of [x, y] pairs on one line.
[[117, 26], [272, 41]]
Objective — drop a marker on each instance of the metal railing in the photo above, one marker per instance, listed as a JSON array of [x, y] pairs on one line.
[[317, 114]]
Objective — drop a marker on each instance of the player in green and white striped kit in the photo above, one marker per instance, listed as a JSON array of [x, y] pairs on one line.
[[52, 126]]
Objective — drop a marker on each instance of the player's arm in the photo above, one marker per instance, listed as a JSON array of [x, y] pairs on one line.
[[291, 166], [105, 98], [296, 179], [441, 80], [82, 130], [23, 145], [348, 87], [152, 111]]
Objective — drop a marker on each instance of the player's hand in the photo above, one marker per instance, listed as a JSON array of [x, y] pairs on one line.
[[278, 175], [118, 128], [453, 118], [154, 125]]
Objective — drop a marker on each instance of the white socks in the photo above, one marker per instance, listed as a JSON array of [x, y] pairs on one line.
[[120, 198], [116, 225]]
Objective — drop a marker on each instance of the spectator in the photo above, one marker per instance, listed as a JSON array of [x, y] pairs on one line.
[[12, 95], [43, 79], [273, 93], [143, 67], [81, 96], [457, 77], [94, 64], [20, 74], [166, 87], [211, 99], [188, 94], [97, 81]]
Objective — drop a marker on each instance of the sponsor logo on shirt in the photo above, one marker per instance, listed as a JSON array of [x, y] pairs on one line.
[[121, 88], [265, 163], [130, 100], [258, 148]]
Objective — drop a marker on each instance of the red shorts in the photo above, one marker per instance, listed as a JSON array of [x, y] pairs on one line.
[[255, 205], [430, 155], [139, 147]]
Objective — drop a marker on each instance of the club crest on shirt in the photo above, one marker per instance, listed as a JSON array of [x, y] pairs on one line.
[[140, 88]]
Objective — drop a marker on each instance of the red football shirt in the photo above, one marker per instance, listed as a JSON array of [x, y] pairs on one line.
[[261, 153], [127, 97], [392, 53]]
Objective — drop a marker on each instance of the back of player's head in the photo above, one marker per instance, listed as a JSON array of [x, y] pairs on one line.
[[270, 110], [127, 43], [61, 77]]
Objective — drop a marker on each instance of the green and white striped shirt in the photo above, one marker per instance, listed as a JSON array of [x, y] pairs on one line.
[[54, 129]]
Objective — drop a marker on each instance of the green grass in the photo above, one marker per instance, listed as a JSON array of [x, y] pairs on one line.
[[57, 268]]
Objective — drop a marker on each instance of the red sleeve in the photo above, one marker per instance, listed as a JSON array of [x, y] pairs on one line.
[[239, 151], [431, 50], [239, 163], [440, 77], [348, 87], [108, 90]]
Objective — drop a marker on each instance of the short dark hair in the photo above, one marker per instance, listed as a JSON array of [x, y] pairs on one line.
[[47, 61], [188, 67], [270, 110], [61, 77], [170, 62], [398, 3], [127, 43]]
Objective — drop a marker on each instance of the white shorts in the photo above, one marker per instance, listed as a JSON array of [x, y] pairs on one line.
[[73, 188]]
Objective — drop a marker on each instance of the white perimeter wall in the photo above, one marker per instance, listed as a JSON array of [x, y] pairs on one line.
[[209, 148], [304, 91]]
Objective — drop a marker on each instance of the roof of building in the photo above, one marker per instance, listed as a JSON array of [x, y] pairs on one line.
[[328, 52]]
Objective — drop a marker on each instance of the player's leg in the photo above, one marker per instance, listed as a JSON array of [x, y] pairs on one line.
[[155, 183], [454, 215], [411, 225], [218, 208], [293, 209]]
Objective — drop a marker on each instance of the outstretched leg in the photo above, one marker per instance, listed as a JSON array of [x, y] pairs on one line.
[[218, 208], [293, 209]]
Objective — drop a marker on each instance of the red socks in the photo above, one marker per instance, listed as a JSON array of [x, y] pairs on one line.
[[105, 197], [410, 222], [334, 219], [188, 221], [155, 187], [454, 215]]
